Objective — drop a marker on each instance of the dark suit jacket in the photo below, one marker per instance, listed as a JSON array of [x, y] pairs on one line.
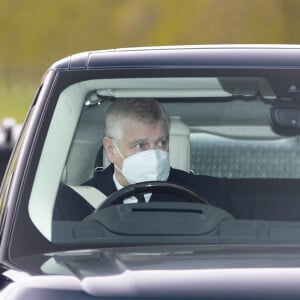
[[71, 206]]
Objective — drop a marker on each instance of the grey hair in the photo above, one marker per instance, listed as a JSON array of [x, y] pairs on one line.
[[145, 110]]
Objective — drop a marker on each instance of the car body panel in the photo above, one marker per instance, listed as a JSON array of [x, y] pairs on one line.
[[170, 271], [179, 57]]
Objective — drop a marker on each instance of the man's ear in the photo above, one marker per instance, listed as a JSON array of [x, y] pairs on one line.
[[109, 148]]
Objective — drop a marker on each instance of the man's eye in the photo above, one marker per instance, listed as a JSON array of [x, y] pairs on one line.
[[139, 146], [163, 144]]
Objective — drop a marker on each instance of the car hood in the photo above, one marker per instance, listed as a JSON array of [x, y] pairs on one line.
[[165, 271]]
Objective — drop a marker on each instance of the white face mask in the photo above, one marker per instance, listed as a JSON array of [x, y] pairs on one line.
[[149, 165]]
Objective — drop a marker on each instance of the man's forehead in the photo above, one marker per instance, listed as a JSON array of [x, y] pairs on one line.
[[140, 130], [128, 123]]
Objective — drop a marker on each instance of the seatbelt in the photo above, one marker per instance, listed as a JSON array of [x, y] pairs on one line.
[[92, 195]]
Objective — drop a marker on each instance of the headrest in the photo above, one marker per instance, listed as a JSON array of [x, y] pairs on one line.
[[179, 144]]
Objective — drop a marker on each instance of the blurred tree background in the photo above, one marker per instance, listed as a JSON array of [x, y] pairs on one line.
[[35, 33]]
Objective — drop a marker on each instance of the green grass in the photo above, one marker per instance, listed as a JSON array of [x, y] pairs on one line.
[[15, 100]]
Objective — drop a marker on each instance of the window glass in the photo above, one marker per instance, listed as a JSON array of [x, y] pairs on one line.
[[222, 129]]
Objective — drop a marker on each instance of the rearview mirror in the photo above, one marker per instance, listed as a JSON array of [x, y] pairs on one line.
[[285, 120]]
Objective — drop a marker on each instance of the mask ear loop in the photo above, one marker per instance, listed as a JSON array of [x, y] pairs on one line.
[[113, 141], [117, 148]]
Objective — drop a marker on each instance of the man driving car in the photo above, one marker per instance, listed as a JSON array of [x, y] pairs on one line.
[[136, 142]]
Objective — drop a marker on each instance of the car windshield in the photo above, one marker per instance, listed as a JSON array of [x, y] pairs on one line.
[[233, 143]]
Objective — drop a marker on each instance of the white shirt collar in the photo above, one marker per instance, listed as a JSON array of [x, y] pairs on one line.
[[131, 199]]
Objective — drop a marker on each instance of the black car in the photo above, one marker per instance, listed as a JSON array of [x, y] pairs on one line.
[[234, 117]]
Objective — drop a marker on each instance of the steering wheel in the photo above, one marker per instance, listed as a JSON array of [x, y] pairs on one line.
[[149, 187]]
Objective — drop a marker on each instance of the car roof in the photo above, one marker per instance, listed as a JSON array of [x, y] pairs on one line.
[[205, 56]]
